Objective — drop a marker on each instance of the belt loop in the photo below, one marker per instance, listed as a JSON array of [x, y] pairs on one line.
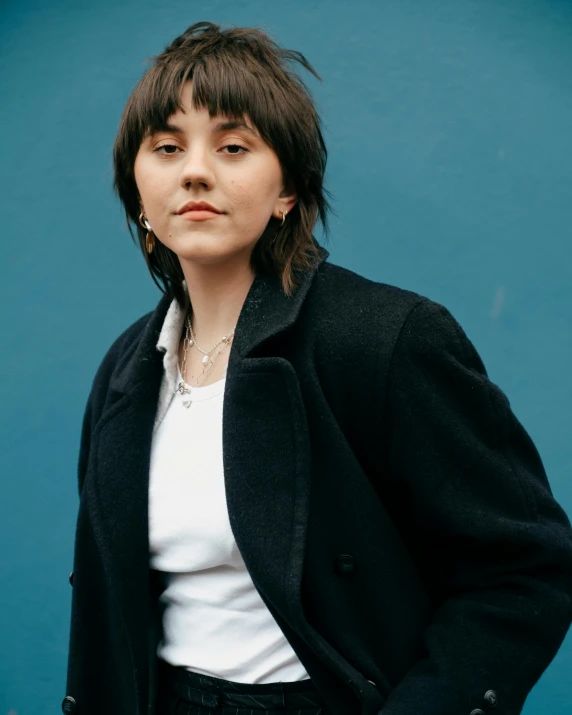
[[283, 705]]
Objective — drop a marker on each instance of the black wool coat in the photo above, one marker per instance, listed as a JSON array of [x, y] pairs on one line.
[[393, 513]]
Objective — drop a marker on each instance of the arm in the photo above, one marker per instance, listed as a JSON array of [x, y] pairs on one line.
[[496, 543]]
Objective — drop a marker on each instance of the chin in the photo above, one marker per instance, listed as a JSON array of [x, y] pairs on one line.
[[206, 252], [207, 247], [194, 245]]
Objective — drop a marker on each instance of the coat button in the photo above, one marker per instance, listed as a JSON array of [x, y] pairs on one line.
[[71, 578], [69, 706], [491, 699], [345, 564], [478, 711]]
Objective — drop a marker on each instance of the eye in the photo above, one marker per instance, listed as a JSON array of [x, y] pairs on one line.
[[168, 147], [233, 147]]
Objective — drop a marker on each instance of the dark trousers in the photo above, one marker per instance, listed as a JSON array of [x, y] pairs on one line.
[[181, 692]]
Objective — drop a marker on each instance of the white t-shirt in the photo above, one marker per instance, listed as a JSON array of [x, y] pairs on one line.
[[214, 622]]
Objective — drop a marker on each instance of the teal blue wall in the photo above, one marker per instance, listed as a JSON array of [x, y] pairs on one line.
[[449, 126]]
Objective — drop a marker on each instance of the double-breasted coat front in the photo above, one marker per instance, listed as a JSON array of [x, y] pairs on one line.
[[392, 512]]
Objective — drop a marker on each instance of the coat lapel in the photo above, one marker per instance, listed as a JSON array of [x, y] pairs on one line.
[[266, 459]]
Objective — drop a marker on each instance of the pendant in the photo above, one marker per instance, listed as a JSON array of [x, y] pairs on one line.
[[181, 389]]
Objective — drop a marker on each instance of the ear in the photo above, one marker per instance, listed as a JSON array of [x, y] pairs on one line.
[[287, 199]]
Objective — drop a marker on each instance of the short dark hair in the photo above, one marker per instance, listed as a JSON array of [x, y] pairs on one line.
[[239, 73]]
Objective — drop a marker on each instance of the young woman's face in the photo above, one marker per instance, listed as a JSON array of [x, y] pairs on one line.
[[229, 166]]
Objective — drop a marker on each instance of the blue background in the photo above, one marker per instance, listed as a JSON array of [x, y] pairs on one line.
[[449, 126]]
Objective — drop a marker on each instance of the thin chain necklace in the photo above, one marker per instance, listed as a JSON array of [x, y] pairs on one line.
[[207, 361]]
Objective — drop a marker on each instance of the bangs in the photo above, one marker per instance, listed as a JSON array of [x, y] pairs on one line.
[[222, 85]]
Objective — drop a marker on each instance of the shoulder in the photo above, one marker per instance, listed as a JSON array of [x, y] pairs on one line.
[[121, 346], [126, 341], [381, 310], [388, 327], [355, 298], [349, 285], [117, 353]]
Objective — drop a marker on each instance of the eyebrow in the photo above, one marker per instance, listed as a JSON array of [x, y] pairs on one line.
[[220, 127]]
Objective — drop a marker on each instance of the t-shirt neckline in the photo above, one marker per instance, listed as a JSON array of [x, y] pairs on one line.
[[202, 392]]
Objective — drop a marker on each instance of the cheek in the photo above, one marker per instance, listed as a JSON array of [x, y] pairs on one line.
[[257, 192], [153, 191], [145, 171], [147, 184], [253, 202]]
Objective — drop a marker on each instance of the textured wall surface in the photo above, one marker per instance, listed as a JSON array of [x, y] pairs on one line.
[[449, 130]]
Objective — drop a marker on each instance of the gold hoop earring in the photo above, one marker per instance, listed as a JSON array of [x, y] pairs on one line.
[[150, 237], [284, 214]]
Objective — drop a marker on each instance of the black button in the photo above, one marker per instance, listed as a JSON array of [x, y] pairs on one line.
[[491, 699], [345, 564], [478, 711], [69, 706], [71, 578]]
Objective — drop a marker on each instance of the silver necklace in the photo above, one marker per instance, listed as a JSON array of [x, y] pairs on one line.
[[207, 361]]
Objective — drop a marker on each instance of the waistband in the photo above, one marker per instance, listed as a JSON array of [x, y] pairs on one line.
[[211, 692]]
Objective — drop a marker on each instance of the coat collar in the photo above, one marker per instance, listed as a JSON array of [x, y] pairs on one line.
[[266, 312]]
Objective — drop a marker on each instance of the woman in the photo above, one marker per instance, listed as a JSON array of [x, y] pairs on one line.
[[365, 527]]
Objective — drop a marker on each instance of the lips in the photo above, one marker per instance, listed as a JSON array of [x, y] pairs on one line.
[[198, 206]]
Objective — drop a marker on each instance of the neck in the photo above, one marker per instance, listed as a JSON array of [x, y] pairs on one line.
[[217, 293]]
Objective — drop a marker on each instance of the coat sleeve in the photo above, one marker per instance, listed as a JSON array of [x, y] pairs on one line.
[[497, 544]]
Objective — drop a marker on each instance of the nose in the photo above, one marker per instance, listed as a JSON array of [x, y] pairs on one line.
[[197, 168]]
